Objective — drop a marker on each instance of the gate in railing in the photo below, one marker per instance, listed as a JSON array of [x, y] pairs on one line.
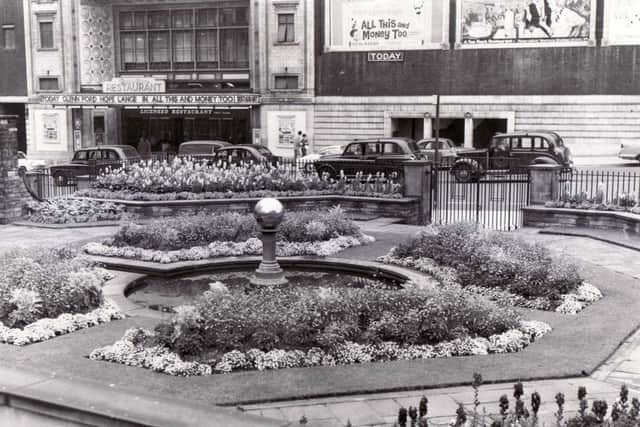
[[493, 200], [43, 186]]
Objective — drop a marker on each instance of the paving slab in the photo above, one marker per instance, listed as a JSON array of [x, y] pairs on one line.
[[358, 413]]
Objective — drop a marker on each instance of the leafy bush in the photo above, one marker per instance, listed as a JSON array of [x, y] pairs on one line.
[[201, 229], [302, 318], [495, 260], [42, 283], [65, 210]]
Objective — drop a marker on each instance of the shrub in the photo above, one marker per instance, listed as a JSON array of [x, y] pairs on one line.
[[41, 283], [302, 318], [495, 260], [187, 231], [64, 210]]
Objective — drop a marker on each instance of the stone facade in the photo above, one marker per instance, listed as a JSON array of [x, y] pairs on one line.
[[13, 194], [581, 218]]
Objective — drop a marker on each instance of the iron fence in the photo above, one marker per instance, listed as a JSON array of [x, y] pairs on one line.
[[491, 200], [601, 186], [43, 186]]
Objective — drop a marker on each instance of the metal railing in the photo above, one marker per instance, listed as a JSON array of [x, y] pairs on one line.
[[42, 186], [600, 186], [493, 200]]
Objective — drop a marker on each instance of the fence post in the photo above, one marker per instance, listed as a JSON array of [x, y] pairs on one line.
[[417, 183], [544, 183]]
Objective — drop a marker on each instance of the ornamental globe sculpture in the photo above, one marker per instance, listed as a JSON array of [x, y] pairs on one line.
[[269, 213]]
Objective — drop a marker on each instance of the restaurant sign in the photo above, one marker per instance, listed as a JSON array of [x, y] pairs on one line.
[[134, 85], [159, 99]]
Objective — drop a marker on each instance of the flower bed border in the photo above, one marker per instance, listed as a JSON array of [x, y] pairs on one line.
[[47, 328], [161, 359], [252, 246], [543, 217]]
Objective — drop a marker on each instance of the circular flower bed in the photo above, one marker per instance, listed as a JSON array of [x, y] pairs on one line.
[[506, 269], [195, 237], [263, 328]]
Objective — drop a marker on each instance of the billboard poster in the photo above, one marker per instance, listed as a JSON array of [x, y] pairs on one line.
[[493, 23], [622, 22], [365, 25]]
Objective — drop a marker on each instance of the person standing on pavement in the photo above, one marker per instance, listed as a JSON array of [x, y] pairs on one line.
[[304, 143], [144, 147], [297, 141]]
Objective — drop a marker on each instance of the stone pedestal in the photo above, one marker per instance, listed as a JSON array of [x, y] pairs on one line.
[[544, 183], [417, 183], [269, 213]]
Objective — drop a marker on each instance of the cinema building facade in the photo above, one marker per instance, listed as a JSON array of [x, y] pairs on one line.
[[496, 67], [170, 71]]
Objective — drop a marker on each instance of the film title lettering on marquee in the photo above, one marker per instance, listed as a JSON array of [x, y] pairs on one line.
[[385, 56], [134, 85], [144, 100]]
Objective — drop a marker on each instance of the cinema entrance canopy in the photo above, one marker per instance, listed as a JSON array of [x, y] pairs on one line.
[[108, 118]]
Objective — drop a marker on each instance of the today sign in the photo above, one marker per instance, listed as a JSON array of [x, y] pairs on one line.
[[385, 56]]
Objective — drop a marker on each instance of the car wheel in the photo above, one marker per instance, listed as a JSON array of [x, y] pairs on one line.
[[327, 170], [60, 179], [463, 173]]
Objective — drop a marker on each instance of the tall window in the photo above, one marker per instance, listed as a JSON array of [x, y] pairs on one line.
[[185, 39], [9, 36], [46, 35], [285, 28]]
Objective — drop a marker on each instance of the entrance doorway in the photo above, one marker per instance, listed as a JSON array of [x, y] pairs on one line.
[[484, 129], [450, 128], [173, 127], [408, 128]]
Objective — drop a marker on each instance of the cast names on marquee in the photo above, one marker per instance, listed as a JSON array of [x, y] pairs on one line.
[[149, 99]]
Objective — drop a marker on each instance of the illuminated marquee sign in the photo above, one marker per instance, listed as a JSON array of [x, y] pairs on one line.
[[162, 99]]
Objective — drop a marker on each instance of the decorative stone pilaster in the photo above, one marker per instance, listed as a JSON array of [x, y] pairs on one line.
[[417, 183], [544, 183], [13, 194]]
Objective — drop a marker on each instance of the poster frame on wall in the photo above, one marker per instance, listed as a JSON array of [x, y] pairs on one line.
[[608, 39], [328, 47], [591, 41]]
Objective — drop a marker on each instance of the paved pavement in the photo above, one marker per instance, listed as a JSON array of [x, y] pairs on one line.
[[623, 367], [381, 409]]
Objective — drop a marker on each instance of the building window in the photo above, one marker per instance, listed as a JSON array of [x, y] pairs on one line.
[[48, 84], [46, 34], [8, 36], [286, 82], [211, 38], [285, 28]]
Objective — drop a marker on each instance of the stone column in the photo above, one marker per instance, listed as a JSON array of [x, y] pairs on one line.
[[544, 183], [13, 193], [417, 183]]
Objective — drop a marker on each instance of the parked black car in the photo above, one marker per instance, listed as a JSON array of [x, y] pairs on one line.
[[93, 161], [369, 156], [246, 153], [201, 150], [512, 153]]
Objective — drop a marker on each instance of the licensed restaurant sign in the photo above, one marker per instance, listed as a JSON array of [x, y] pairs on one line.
[[134, 85], [150, 99]]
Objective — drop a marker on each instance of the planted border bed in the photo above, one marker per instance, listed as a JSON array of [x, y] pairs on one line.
[[539, 216], [45, 293], [197, 237]]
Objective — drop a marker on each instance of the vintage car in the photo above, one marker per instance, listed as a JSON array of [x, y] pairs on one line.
[[93, 161], [512, 153], [245, 153], [630, 151], [26, 164], [369, 156], [331, 149], [448, 150], [201, 150]]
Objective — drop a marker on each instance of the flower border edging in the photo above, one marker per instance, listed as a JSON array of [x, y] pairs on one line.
[[160, 359], [44, 329]]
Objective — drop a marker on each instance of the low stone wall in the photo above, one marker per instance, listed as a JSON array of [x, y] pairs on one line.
[[560, 217], [409, 209]]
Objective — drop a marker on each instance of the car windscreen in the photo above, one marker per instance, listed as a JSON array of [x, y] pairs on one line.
[[263, 150], [80, 155], [130, 152]]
